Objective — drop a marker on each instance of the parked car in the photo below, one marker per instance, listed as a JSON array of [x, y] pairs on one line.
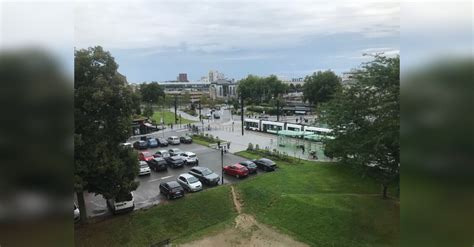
[[236, 170], [140, 145], [174, 161], [144, 168], [158, 164], [77, 213], [162, 153], [145, 156], [171, 190], [216, 115], [123, 203], [189, 182], [190, 158], [265, 164], [152, 143], [173, 140], [186, 139], [205, 175], [126, 145], [162, 142], [175, 151], [250, 166], [209, 115]]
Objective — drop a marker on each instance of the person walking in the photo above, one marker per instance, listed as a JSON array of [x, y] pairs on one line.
[[302, 148]]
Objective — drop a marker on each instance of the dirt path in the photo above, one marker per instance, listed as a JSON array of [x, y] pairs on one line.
[[246, 232]]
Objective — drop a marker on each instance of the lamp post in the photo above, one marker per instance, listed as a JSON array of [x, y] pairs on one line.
[[242, 112], [222, 165]]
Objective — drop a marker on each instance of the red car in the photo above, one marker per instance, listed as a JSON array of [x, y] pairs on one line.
[[236, 170], [145, 156]]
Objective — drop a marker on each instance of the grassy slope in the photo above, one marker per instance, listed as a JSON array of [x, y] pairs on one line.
[[322, 205], [193, 214], [168, 117]]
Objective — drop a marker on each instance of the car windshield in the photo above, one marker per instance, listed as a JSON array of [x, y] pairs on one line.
[[192, 180], [147, 154], [152, 141], [206, 172], [142, 165], [252, 165]]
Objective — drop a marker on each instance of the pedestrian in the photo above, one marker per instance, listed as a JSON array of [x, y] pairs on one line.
[[228, 145], [302, 147]]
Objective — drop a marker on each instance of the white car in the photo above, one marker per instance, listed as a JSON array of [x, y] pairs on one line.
[[144, 169], [173, 140], [126, 145], [124, 204], [189, 182], [190, 158], [77, 213]]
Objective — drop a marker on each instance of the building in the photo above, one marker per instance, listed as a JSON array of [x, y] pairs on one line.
[[223, 89], [215, 75], [183, 77]]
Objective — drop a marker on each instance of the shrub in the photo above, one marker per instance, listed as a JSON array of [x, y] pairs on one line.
[[250, 147]]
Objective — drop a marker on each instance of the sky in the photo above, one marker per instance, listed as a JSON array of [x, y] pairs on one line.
[[157, 40]]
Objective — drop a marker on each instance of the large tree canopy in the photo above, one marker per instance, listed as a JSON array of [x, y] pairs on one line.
[[365, 119], [261, 89], [320, 86], [103, 109], [151, 92]]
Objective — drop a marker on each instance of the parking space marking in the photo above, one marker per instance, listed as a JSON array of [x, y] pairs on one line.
[[153, 180], [166, 177]]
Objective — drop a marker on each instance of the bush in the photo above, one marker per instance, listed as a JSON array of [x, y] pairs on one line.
[[257, 147], [250, 147]]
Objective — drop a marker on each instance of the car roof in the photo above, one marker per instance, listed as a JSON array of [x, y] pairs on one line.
[[200, 168], [266, 160], [246, 162], [173, 137], [186, 175], [145, 152], [162, 150], [189, 153], [158, 158], [176, 158], [173, 184], [238, 165], [142, 162]]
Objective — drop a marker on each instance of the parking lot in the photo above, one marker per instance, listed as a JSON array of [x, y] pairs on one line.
[[147, 193]]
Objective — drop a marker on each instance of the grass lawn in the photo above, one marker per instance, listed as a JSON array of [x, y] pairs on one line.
[[168, 118], [203, 140], [180, 220], [322, 204]]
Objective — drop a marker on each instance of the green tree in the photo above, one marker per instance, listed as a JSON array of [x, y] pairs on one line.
[[148, 111], [365, 121], [320, 86], [136, 103], [102, 114], [151, 92], [261, 89]]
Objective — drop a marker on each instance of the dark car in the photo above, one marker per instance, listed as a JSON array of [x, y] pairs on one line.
[[175, 151], [152, 143], [250, 166], [140, 144], [205, 175], [158, 164], [186, 139], [174, 161], [162, 142], [216, 115], [171, 190], [265, 164]]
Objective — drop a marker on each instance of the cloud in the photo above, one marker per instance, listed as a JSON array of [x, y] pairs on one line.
[[221, 26]]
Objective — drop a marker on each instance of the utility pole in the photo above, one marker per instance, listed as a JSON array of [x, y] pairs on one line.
[[278, 109], [222, 164], [176, 109], [242, 112], [200, 117]]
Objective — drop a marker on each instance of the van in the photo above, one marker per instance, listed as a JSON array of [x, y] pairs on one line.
[[123, 203], [173, 140]]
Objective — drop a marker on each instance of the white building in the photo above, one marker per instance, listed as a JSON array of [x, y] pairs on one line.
[[215, 75]]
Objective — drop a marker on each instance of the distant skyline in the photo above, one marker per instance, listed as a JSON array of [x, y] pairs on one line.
[[155, 41]]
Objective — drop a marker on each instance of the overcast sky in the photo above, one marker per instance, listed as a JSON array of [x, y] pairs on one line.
[[158, 40]]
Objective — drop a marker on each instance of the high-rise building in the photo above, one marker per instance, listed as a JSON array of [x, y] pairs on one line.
[[183, 77], [214, 75]]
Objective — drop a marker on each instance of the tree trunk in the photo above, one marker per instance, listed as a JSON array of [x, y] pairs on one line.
[[385, 187], [82, 206]]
